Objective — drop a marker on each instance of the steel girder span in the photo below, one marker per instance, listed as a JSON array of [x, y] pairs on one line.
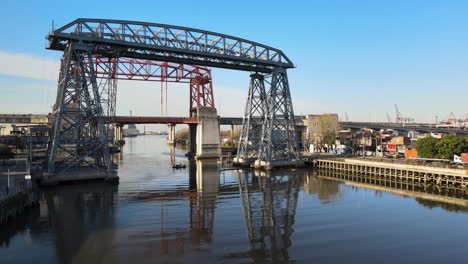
[[142, 40]]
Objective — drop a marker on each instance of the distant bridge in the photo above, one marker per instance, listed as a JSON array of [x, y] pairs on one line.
[[418, 127], [237, 121], [44, 119]]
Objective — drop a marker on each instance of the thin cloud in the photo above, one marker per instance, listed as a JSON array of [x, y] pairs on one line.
[[141, 97], [28, 66]]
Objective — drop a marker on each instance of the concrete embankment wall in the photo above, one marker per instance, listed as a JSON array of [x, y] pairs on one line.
[[420, 168], [400, 172]]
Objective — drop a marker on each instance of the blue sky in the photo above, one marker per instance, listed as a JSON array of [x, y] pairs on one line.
[[359, 57]]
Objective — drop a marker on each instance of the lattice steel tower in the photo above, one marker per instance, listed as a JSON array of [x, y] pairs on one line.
[[80, 130], [269, 127], [279, 138], [252, 124], [268, 130]]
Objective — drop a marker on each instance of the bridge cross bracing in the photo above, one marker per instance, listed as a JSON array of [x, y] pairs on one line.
[[160, 42], [98, 52]]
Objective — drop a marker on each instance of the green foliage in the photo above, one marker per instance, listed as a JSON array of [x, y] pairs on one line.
[[5, 152], [464, 146], [444, 148], [426, 147], [448, 146]]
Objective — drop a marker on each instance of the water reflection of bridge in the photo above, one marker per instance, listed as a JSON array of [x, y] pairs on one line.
[[269, 204], [180, 222]]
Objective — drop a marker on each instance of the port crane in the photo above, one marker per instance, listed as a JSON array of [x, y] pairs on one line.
[[400, 118], [454, 122]]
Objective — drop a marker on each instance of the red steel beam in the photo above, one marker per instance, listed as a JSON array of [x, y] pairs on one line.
[[153, 120], [199, 78], [147, 70]]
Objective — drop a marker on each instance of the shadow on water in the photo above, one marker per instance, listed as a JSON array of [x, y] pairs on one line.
[[24, 224], [75, 213]]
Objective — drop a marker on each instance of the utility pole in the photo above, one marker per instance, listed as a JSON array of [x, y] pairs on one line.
[[376, 146], [29, 159]]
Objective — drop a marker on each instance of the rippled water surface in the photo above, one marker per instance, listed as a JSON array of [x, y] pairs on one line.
[[206, 215]]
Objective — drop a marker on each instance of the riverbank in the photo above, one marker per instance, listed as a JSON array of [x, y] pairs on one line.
[[16, 189], [15, 200], [426, 174]]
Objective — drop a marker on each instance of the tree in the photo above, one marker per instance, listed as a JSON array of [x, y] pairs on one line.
[[327, 130], [427, 147], [444, 148], [328, 137], [464, 145], [448, 146], [182, 134]]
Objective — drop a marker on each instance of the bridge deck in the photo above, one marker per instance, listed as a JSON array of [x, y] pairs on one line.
[[426, 128]]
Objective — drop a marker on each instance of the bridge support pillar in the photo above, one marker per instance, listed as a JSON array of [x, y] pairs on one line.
[[79, 148], [118, 131], [232, 132], [279, 145], [254, 115], [192, 140], [208, 143], [171, 135]]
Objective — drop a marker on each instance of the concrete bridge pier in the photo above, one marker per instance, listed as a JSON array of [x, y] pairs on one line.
[[118, 133], [232, 132], [171, 135], [208, 143], [192, 140]]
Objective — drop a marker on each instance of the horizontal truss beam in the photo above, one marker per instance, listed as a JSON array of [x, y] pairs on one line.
[[141, 40]]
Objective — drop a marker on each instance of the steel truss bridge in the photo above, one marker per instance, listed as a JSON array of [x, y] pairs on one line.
[[98, 52]]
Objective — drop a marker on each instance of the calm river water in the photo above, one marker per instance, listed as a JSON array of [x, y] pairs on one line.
[[203, 215]]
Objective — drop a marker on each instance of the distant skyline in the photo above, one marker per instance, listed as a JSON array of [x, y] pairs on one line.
[[355, 57]]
